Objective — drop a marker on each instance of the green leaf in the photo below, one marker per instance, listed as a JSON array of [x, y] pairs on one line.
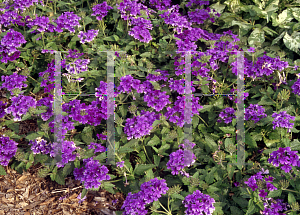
[[291, 198], [2, 170], [296, 13], [278, 38], [251, 207], [210, 176], [123, 110], [84, 192], [230, 171], [250, 141], [210, 143], [236, 211], [87, 20], [154, 141], [59, 178], [177, 196], [141, 168], [218, 7], [271, 8], [228, 130], [275, 193], [146, 54], [256, 38], [108, 186], [125, 150], [292, 42], [32, 136], [284, 17], [68, 168]]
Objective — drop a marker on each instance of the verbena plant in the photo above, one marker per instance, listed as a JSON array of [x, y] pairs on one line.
[[150, 96]]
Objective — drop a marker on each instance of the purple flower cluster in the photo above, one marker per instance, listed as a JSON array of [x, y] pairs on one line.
[[157, 99], [2, 107], [160, 4], [296, 87], [101, 136], [151, 191], [262, 183], [163, 76], [141, 28], [9, 18], [42, 23], [227, 115], [255, 111], [196, 2], [285, 158], [200, 15], [13, 81], [21, 4], [66, 148], [101, 10], [282, 120], [199, 203], [177, 85], [141, 125], [263, 66], [88, 36], [67, 125], [8, 149], [9, 44], [130, 9], [48, 102], [78, 66], [97, 147], [273, 207], [91, 174], [40, 145], [68, 20], [128, 83], [181, 159], [20, 105], [178, 109], [173, 17]]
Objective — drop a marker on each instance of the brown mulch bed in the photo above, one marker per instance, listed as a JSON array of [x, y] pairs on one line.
[[28, 194]]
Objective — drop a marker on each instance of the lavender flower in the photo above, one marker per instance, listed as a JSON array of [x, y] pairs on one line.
[[285, 158], [40, 145], [160, 4], [67, 148], [9, 44], [97, 147], [120, 164], [20, 105], [141, 28], [198, 203], [134, 205], [48, 102], [13, 82], [8, 149], [68, 20], [2, 107], [255, 111], [282, 120], [157, 99], [227, 114], [101, 10], [91, 174], [9, 18], [296, 87], [88, 36], [141, 125], [181, 159], [81, 199], [273, 207]]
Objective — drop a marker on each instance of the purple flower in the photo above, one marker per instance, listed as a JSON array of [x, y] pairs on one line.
[[40, 146], [251, 49], [68, 20], [13, 82], [273, 207], [81, 199], [255, 111], [2, 107], [101, 10], [296, 87], [91, 174], [20, 105], [285, 158], [120, 164], [227, 114], [263, 193], [66, 148], [97, 147], [198, 203], [88, 36], [8, 149], [141, 125], [282, 120]]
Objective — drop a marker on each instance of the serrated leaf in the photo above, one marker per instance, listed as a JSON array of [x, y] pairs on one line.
[[177, 196], [108, 186], [250, 141], [32, 136], [59, 178], [125, 150], [291, 198], [228, 130]]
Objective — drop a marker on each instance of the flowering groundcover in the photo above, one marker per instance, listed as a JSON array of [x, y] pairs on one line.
[[154, 167]]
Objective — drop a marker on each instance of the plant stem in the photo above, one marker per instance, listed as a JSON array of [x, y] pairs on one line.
[[291, 190], [163, 207]]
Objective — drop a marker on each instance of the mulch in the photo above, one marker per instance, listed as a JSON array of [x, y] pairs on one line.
[[26, 194]]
